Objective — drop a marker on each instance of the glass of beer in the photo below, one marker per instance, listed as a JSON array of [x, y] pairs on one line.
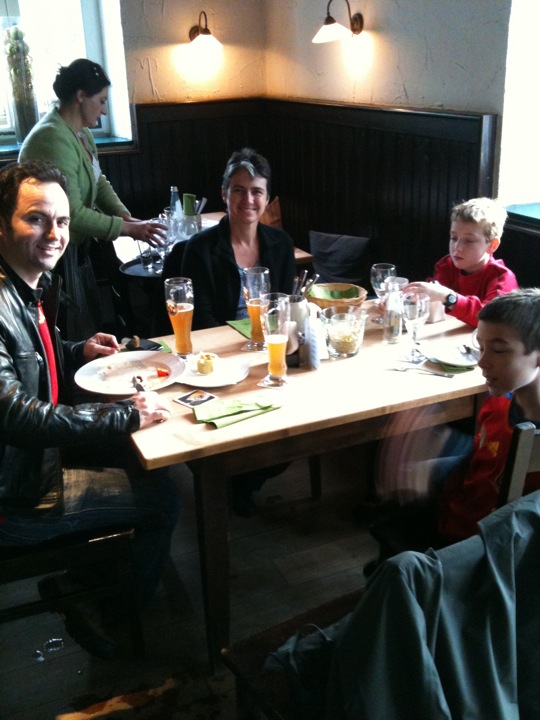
[[179, 303], [256, 283], [275, 314]]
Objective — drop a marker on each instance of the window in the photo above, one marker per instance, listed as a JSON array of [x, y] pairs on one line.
[[82, 28]]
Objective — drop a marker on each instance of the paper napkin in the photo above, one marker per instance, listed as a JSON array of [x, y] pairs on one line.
[[243, 326], [455, 368], [227, 412]]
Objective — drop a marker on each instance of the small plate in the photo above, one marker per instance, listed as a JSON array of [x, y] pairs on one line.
[[456, 357], [112, 375], [226, 372]]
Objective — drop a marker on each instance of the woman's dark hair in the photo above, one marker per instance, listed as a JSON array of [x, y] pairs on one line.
[[82, 75], [250, 160], [13, 175]]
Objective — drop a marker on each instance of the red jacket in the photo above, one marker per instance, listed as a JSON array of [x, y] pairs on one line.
[[472, 492], [476, 290]]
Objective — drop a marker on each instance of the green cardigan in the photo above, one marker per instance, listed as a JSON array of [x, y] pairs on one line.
[[94, 206]]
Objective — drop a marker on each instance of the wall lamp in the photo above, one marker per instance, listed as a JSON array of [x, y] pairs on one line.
[[332, 30], [201, 36]]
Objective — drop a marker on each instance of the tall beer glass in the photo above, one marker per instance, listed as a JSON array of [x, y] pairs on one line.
[[179, 303], [275, 314], [256, 283]]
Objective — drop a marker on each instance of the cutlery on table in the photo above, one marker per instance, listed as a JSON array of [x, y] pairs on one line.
[[424, 370], [307, 287]]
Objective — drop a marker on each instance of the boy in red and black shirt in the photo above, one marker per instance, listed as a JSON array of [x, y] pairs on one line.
[[509, 340]]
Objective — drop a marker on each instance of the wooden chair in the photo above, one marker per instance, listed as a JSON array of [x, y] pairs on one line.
[[111, 545], [416, 528]]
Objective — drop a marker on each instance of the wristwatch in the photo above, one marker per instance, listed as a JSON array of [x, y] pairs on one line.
[[451, 300]]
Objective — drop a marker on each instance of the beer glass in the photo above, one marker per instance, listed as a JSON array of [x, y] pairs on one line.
[[256, 283], [275, 314], [179, 303]]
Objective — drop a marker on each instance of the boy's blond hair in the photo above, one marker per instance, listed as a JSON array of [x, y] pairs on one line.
[[488, 213]]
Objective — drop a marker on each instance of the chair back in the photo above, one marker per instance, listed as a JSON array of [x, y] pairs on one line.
[[272, 214], [340, 258], [523, 458]]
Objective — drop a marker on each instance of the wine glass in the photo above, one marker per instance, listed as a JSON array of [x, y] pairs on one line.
[[256, 284], [378, 275], [275, 315], [415, 314]]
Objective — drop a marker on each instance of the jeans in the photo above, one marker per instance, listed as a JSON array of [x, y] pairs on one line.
[[95, 497]]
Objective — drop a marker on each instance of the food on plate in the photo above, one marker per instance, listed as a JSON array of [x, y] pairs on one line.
[[205, 362], [115, 374]]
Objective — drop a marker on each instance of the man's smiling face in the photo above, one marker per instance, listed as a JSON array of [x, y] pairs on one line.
[[38, 233]]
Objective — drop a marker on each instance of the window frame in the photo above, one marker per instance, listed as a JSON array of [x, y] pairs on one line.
[[103, 38]]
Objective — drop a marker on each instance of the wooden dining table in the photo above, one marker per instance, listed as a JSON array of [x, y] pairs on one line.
[[343, 403]]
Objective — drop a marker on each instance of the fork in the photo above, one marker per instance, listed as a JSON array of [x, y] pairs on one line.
[[426, 371]]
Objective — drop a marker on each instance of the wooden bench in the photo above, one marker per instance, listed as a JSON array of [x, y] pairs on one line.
[[263, 694]]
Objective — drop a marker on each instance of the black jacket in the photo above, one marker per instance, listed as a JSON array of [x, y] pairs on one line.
[[31, 428], [209, 262]]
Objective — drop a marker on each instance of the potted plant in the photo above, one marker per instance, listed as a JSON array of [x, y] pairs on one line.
[[22, 87]]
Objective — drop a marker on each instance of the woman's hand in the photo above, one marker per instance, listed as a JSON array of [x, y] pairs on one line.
[[152, 232], [151, 407], [100, 344]]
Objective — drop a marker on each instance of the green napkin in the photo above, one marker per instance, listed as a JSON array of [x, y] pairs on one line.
[[455, 368], [164, 345], [243, 326], [227, 412]]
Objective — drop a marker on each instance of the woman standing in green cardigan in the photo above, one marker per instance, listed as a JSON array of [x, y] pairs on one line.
[[63, 137]]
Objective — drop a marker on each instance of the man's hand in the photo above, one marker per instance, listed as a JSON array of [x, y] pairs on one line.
[[100, 344], [151, 407]]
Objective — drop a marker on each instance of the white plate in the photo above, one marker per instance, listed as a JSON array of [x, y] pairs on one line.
[[454, 356], [226, 372], [112, 375]]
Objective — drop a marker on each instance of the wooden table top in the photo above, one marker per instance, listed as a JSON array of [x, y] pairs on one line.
[[340, 392]]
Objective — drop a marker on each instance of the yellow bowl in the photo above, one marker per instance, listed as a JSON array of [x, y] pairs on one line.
[[327, 295]]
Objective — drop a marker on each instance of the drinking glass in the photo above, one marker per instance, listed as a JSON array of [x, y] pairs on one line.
[[179, 304], [415, 314], [275, 314], [163, 250], [401, 282], [256, 284], [379, 273], [146, 255]]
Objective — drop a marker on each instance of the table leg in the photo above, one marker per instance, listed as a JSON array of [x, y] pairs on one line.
[[212, 507]]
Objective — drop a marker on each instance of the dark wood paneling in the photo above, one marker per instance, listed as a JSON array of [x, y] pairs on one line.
[[388, 173]]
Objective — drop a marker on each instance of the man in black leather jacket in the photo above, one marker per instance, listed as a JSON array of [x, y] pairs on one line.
[[39, 498]]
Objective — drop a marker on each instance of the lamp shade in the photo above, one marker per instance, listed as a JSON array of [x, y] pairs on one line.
[[331, 31]]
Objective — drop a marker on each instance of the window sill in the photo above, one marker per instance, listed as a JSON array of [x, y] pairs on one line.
[[524, 217], [10, 151]]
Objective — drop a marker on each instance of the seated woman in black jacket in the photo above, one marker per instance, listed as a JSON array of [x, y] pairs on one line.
[[214, 259]]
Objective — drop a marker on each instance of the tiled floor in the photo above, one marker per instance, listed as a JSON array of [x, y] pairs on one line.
[[295, 554]]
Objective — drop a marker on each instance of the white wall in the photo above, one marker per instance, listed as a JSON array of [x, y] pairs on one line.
[[427, 53], [445, 54]]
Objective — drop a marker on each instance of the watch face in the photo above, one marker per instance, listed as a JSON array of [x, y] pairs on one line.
[[451, 300]]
